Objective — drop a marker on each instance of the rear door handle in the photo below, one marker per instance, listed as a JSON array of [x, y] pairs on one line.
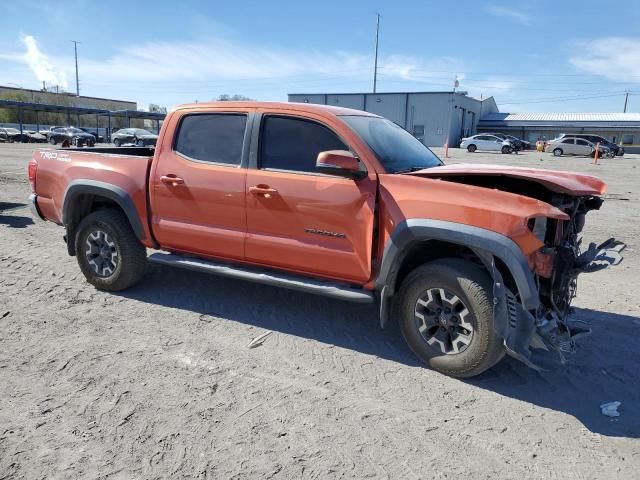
[[171, 179], [262, 190]]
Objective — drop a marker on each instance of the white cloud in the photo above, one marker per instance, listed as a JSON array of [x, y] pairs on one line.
[[510, 13], [40, 65], [616, 58], [176, 72]]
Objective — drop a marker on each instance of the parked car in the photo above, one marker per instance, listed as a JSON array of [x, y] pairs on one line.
[[11, 135], [98, 138], [574, 146], [479, 261], [35, 137], [617, 150], [47, 131], [486, 142], [517, 143], [68, 136], [134, 136]]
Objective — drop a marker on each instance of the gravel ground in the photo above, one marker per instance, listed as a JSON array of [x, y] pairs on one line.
[[158, 382]]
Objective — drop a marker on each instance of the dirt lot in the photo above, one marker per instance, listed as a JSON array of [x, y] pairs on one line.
[[158, 381]]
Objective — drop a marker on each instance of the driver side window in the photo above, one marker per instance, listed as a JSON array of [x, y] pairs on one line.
[[293, 144]]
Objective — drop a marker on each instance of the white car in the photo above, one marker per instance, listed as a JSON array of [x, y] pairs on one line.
[[486, 142], [566, 145]]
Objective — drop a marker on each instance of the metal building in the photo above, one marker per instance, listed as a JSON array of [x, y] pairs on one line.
[[432, 117], [617, 127]]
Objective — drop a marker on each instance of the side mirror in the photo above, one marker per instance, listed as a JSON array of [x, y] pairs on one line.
[[339, 162]]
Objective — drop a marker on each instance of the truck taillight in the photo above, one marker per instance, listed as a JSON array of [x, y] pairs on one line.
[[33, 169]]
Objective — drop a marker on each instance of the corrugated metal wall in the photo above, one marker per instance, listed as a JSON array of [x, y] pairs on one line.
[[431, 117]]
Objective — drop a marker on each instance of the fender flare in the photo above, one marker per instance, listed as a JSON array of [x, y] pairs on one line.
[[103, 189], [481, 240]]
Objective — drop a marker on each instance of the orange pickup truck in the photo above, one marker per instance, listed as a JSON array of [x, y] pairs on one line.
[[472, 261]]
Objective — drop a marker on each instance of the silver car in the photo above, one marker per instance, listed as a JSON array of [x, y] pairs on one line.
[[574, 146]]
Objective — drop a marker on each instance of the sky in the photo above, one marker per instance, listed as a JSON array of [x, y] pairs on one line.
[[531, 56]]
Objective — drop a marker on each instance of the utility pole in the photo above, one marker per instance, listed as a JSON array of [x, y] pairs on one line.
[[626, 98], [375, 62], [75, 48]]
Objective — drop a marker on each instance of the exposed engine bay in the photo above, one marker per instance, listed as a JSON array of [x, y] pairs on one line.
[[551, 326]]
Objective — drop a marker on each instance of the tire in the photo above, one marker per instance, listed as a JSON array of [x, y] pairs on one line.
[[471, 148], [461, 279], [557, 152], [52, 140], [116, 142], [505, 149], [140, 143], [125, 258]]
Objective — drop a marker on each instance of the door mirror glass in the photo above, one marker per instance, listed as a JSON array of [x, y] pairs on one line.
[[339, 162]]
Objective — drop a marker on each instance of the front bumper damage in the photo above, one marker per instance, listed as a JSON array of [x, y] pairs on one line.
[[550, 329]]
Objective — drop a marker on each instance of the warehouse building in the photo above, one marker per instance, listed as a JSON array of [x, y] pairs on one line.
[[432, 117], [617, 127]]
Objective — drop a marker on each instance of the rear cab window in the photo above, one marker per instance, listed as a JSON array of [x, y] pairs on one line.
[[216, 138]]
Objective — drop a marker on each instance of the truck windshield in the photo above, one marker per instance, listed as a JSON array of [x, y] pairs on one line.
[[397, 149]]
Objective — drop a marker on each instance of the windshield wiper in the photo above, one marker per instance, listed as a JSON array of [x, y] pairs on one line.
[[410, 169]]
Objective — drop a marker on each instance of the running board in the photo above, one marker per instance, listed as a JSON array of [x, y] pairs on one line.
[[303, 284]]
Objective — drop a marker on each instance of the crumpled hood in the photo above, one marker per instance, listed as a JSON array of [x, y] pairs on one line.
[[555, 180]]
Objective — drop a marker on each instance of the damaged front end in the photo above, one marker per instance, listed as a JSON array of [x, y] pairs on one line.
[[556, 267]]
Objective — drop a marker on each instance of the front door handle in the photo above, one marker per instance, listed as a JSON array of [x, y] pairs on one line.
[[171, 179], [262, 190]]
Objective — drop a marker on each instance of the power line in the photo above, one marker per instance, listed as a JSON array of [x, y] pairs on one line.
[[561, 99]]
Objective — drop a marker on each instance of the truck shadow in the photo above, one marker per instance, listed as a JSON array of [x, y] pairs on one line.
[[604, 368], [13, 221]]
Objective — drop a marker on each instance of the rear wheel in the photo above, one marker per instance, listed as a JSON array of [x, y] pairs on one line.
[[471, 148], [108, 252], [557, 152], [52, 140], [140, 143], [505, 149], [446, 317], [116, 142]]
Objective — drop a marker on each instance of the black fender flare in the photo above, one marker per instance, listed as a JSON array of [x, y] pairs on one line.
[[482, 241], [102, 189]]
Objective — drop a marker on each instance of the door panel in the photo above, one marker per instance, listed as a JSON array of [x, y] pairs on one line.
[[315, 224], [300, 220], [199, 205]]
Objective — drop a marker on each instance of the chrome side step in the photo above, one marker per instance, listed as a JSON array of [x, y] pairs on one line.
[[277, 279]]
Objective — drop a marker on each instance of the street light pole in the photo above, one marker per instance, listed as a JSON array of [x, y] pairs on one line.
[[75, 49], [375, 62]]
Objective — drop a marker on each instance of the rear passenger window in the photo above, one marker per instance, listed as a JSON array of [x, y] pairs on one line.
[[216, 138], [294, 144]]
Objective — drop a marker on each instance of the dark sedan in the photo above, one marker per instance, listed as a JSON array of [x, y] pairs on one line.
[[68, 136], [12, 135], [99, 138], [134, 136]]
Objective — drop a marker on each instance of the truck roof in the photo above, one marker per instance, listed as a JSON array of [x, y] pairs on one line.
[[300, 107]]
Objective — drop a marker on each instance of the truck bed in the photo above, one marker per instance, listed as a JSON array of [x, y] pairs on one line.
[[58, 169]]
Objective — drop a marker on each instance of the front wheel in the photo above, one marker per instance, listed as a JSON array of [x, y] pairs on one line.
[[471, 148], [52, 140], [108, 252], [446, 317], [505, 149], [557, 152], [140, 143], [116, 142]]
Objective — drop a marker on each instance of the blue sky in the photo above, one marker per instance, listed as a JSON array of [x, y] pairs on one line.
[[536, 55]]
